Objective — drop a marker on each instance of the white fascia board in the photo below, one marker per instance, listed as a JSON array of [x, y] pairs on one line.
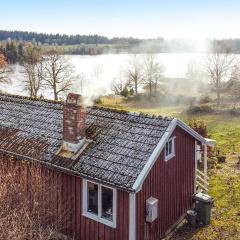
[[148, 166], [161, 144]]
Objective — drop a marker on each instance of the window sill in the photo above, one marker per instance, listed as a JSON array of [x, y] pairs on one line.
[[101, 220], [169, 157]]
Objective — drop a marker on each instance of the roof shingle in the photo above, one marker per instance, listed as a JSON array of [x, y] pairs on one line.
[[122, 142]]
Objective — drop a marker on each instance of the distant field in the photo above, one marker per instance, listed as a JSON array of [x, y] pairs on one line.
[[88, 49], [224, 178], [141, 106]]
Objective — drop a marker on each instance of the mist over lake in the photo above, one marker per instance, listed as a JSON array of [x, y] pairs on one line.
[[96, 73]]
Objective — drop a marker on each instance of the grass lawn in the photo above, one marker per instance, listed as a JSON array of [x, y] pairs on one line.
[[225, 188], [224, 178], [224, 183]]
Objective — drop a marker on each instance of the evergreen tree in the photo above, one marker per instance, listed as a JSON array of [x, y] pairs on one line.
[[11, 51], [20, 52]]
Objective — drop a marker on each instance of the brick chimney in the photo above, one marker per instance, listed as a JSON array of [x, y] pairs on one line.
[[74, 117]]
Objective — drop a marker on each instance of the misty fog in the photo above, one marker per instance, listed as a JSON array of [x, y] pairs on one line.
[[96, 73]]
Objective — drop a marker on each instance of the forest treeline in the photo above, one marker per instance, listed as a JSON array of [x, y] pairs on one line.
[[13, 49], [12, 43], [58, 39], [96, 44]]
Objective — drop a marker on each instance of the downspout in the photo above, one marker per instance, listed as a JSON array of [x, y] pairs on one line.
[[132, 216], [205, 167], [195, 172]]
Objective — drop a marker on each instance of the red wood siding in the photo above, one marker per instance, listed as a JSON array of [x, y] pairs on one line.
[[172, 183], [76, 225]]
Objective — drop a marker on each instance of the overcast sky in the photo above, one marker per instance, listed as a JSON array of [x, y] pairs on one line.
[[136, 18]]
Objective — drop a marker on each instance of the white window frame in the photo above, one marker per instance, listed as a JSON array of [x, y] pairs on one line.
[[98, 217], [173, 153]]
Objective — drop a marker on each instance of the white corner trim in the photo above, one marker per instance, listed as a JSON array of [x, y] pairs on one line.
[[132, 216], [161, 144], [98, 217]]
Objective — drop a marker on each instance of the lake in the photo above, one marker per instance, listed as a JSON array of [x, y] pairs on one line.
[[96, 73]]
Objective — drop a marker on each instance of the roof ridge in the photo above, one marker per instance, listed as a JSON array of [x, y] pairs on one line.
[[31, 98], [141, 114], [109, 109]]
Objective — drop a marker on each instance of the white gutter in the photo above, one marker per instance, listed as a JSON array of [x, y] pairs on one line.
[[210, 142]]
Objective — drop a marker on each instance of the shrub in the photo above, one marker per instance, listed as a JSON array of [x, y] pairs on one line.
[[204, 100], [125, 92], [131, 92], [200, 109], [199, 126], [182, 99], [234, 112], [98, 100]]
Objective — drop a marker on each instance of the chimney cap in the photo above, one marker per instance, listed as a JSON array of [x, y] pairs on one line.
[[75, 99]]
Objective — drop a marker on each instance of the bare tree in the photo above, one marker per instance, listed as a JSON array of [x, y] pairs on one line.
[[233, 86], [119, 83], [218, 67], [153, 72], [32, 62], [59, 74], [4, 70], [134, 73]]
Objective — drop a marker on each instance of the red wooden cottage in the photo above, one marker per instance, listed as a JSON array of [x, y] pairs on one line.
[[128, 176]]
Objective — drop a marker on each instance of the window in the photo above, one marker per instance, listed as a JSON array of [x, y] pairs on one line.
[[99, 203], [170, 149]]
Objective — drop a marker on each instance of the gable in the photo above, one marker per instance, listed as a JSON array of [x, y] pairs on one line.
[[160, 146]]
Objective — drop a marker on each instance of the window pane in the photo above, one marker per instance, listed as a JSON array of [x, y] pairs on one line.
[[107, 203], [92, 198], [170, 147], [167, 149]]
